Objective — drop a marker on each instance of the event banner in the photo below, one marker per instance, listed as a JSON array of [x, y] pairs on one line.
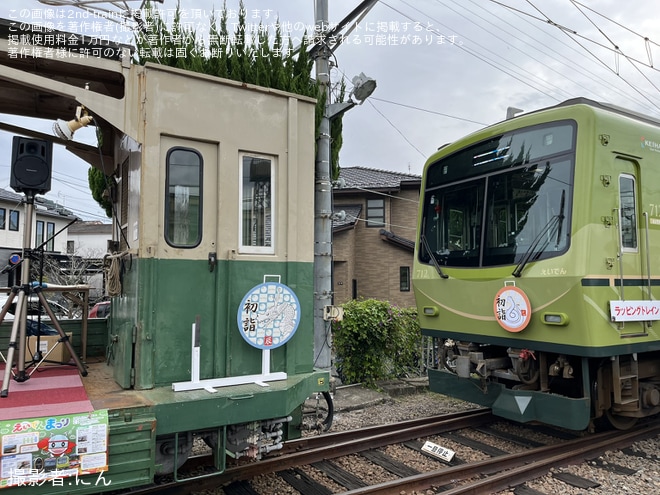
[[46, 450]]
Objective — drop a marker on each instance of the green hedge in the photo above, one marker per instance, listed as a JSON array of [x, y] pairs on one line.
[[376, 341]]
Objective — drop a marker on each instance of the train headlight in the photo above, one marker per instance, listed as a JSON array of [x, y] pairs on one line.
[[555, 319], [430, 311]]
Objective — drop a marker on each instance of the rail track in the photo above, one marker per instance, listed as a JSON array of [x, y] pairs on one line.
[[497, 470]]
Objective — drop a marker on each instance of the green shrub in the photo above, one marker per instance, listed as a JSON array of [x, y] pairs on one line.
[[376, 341]]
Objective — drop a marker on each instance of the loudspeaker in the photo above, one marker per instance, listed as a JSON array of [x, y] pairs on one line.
[[31, 165]]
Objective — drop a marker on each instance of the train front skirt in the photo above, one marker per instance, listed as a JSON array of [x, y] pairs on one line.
[[519, 405]]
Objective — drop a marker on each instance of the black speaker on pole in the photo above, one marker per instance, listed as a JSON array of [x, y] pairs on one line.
[[31, 165]]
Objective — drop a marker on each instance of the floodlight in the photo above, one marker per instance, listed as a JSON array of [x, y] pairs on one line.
[[65, 130], [363, 86]]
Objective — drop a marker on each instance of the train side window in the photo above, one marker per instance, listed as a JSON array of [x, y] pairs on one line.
[[257, 204], [183, 198], [628, 212]]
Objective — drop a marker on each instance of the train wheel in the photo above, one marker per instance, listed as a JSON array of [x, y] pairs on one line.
[[313, 418], [448, 355], [166, 454], [620, 422]]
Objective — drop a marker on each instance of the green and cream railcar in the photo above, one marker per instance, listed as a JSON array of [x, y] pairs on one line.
[[212, 186], [536, 266]]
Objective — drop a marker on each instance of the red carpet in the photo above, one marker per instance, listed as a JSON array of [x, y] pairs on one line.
[[50, 391]]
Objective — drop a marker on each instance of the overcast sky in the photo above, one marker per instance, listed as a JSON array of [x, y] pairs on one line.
[[444, 68]]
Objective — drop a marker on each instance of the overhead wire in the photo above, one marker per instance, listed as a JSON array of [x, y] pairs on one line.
[[396, 128], [541, 47], [511, 73], [428, 111], [573, 67], [574, 35], [616, 47], [509, 44]]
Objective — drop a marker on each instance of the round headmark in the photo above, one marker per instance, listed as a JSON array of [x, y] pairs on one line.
[[269, 315], [512, 308]]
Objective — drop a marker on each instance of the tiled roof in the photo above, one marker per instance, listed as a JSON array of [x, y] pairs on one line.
[[90, 228], [386, 235], [370, 178]]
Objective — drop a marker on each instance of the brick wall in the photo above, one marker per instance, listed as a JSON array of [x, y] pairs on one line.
[[360, 254]]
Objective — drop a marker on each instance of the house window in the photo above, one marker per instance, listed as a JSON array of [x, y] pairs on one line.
[[404, 278], [375, 213], [39, 237], [13, 220], [50, 236], [257, 204], [70, 247], [3, 218], [183, 198]]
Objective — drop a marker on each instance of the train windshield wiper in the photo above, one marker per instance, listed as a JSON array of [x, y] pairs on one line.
[[555, 222], [561, 218], [425, 243]]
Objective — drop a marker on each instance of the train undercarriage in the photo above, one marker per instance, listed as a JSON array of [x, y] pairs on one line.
[[620, 389]]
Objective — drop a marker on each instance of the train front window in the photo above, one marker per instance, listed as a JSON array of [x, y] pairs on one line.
[[504, 201], [453, 224]]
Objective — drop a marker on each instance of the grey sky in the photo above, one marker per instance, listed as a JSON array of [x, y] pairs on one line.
[[445, 68]]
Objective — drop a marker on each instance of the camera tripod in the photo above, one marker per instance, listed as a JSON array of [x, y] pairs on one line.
[[18, 338]]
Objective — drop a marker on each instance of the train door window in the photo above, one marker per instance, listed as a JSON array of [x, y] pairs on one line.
[[257, 204], [628, 212], [183, 198], [3, 220]]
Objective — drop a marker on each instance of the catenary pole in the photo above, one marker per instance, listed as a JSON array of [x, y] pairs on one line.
[[322, 201]]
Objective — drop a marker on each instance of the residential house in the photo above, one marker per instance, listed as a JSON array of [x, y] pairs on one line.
[[89, 239], [49, 231], [375, 216]]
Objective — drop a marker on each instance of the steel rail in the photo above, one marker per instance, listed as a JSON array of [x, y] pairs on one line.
[[328, 446], [513, 469]]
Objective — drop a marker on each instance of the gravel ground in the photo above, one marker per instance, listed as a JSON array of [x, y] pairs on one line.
[[646, 479], [400, 408]]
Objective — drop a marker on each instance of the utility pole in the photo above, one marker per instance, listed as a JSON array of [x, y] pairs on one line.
[[363, 86], [322, 200]]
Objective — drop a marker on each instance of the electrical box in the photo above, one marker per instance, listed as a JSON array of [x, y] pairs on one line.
[[333, 313]]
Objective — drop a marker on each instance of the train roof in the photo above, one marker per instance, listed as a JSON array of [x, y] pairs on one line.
[[602, 106]]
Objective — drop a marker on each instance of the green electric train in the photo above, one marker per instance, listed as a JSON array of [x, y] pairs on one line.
[[536, 269]]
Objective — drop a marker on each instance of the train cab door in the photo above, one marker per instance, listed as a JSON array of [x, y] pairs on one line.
[[184, 282], [631, 283]]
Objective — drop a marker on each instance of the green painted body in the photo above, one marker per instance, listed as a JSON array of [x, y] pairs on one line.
[[575, 287], [162, 300], [170, 295]]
